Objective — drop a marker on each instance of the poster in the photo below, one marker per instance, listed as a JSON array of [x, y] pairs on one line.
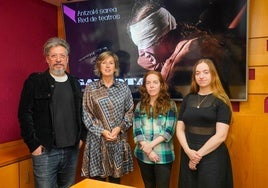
[[167, 36]]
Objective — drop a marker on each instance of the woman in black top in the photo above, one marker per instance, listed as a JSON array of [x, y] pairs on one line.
[[202, 128]]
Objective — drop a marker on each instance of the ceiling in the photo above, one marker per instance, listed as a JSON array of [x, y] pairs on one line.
[[58, 2]]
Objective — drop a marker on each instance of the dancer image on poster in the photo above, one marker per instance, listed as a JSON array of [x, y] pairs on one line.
[[171, 46]]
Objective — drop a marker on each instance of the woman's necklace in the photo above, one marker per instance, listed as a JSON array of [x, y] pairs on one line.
[[199, 103]]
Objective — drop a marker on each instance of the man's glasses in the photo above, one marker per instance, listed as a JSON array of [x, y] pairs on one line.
[[57, 56]]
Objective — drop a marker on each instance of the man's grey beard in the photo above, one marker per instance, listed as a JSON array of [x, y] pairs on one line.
[[58, 72]]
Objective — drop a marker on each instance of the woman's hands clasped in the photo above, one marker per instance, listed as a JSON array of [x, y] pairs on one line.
[[111, 136], [148, 150], [194, 157]]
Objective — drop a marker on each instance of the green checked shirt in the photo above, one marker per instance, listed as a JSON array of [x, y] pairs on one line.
[[147, 129]]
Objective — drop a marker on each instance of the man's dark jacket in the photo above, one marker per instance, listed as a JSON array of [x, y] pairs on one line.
[[35, 110]]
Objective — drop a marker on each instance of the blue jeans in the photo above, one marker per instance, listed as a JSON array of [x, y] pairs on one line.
[[55, 168]]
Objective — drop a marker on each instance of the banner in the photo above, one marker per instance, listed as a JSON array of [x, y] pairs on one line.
[[167, 36]]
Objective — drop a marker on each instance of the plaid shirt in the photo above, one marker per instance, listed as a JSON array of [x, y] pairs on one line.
[[147, 129], [104, 109]]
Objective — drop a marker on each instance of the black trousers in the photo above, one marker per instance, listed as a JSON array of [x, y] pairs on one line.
[[155, 175]]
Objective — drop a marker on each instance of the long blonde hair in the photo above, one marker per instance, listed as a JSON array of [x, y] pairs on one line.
[[216, 86]]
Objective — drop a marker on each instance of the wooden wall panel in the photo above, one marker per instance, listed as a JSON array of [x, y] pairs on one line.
[[237, 140], [9, 176], [258, 18], [260, 84], [258, 52], [26, 174], [61, 30], [254, 105], [248, 150]]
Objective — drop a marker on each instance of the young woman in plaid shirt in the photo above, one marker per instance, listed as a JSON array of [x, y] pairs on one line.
[[153, 127]]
